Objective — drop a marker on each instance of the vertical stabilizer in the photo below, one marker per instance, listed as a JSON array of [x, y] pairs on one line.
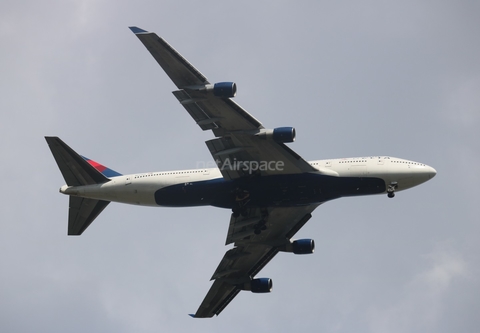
[[73, 167]]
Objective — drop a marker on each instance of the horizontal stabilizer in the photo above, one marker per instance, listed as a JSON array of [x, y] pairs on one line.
[[82, 212]]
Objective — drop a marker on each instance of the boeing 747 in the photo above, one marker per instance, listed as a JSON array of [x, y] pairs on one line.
[[270, 189]]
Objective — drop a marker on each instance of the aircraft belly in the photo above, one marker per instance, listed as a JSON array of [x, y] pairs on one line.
[[281, 190], [199, 193]]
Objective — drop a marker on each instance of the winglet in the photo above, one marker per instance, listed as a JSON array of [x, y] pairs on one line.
[[137, 30]]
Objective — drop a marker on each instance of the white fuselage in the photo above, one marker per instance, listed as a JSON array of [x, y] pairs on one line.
[[139, 189]]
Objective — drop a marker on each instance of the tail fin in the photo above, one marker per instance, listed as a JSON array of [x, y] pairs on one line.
[[78, 171], [74, 168]]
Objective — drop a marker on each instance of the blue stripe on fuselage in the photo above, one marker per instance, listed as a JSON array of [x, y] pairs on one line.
[[278, 190]]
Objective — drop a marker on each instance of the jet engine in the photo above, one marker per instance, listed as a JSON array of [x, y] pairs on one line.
[[225, 89], [261, 285], [220, 89], [284, 134], [279, 134], [300, 246], [303, 246]]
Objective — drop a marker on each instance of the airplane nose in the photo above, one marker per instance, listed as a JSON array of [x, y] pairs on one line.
[[431, 172]]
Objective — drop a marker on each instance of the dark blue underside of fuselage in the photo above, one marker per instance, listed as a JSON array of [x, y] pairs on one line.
[[280, 190]]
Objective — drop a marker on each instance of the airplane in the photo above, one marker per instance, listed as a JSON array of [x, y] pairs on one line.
[[270, 189]]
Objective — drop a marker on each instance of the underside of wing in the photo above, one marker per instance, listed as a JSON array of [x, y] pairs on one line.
[[244, 155], [180, 71], [258, 236], [208, 104], [219, 114]]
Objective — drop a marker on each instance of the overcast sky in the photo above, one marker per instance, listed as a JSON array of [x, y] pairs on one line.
[[354, 78]]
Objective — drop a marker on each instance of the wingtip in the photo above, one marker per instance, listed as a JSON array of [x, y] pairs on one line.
[[137, 30], [191, 315]]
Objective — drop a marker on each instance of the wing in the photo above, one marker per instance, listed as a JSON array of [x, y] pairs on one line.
[[252, 251], [241, 146]]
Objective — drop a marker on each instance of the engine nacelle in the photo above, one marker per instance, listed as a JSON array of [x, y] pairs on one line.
[[303, 246], [300, 246], [279, 134], [220, 89], [284, 134], [225, 89], [261, 285]]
